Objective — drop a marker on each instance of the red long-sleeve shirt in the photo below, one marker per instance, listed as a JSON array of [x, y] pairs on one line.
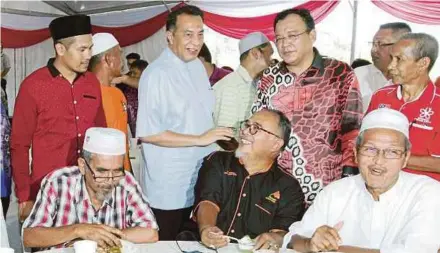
[[51, 116]]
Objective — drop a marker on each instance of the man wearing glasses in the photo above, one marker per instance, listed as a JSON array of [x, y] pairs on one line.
[[246, 193], [320, 96], [95, 200], [381, 210], [375, 76], [415, 95]]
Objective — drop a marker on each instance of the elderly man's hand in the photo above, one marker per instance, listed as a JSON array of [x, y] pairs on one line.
[[24, 209], [325, 238], [104, 235], [269, 240], [213, 237], [118, 80]]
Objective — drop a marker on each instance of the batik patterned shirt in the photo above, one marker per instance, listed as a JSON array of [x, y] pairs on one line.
[[325, 109], [63, 200]]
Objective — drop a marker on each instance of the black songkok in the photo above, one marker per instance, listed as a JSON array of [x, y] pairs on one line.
[[69, 26]]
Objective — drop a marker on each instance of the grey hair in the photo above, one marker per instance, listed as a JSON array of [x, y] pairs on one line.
[[87, 155], [94, 61], [425, 46], [398, 28], [360, 140]]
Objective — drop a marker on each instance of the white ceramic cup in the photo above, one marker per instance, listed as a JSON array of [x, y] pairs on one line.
[[85, 246], [6, 250]]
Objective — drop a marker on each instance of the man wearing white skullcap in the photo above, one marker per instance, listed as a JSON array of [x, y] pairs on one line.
[[107, 64], [95, 200], [383, 209], [235, 93]]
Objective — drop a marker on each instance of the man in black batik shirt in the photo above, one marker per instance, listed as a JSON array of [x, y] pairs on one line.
[[246, 193]]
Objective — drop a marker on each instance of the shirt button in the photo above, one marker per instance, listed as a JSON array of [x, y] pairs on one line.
[[79, 135], [244, 195], [79, 151], [74, 102], [232, 231], [77, 117], [239, 214], [248, 177]]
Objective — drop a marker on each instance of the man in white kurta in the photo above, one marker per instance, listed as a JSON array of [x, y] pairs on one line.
[[402, 219], [175, 123]]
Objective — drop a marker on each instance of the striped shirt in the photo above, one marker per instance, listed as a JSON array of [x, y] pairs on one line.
[[63, 200], [234, 95]]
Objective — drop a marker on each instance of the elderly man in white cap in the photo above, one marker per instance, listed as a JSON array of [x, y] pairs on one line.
[[107, 64], [381, 210], [95, 200], [236, 92]]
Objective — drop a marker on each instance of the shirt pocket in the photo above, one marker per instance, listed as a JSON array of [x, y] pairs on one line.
[[264, 212]]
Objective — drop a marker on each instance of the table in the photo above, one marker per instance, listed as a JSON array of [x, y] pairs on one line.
[[171, 247]]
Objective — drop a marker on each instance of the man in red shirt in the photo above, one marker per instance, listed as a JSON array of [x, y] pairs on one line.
[[55, 105], [415, 95]]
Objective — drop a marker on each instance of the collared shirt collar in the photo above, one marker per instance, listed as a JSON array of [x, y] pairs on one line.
[[55, 72], [427, 94], [318, 62], [242, 71], [385, 197]]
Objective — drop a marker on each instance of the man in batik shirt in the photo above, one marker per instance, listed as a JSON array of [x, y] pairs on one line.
[[321, 98]]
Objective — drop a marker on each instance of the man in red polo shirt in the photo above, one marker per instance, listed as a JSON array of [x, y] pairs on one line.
[[55, 105], [416, 96]]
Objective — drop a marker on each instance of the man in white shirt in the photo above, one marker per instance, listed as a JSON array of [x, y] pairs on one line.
[[236, 92], [375, 76], [381, 210], [175, 123]]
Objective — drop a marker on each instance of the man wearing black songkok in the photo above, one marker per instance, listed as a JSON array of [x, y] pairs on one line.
[[54, 107]]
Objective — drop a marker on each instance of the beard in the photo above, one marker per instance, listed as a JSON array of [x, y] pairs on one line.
[[105, 192]]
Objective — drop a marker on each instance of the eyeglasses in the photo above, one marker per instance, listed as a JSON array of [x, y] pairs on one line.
[[380, 44], [254, 128], [388, 153], [104, 179], [289, 37]]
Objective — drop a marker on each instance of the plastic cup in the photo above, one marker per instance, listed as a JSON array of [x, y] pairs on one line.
[[6, 250], [85, 246]]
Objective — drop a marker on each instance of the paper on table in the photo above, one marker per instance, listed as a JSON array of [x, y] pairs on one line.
[[129, 247]]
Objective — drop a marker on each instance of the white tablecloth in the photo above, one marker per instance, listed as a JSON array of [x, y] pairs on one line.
[[171, 247]]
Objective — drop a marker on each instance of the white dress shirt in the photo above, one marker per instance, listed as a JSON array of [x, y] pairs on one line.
[[234, 95], [404, 220], [175, 96], [370, 80]]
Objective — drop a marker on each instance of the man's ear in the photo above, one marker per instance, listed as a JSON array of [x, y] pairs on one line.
[[408, 155], [355, 155], [60, 49], [170, 37], [82, 165], [423, 63], [312, 35], [277, 145], [255, 52]]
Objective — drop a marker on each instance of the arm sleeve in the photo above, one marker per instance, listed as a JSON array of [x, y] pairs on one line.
[[153, 103], [44, 210], [24, 124], [315, 217], [139, 213], [292, 209], [421, 232], [351, 119], [209, 182], [262, 99]]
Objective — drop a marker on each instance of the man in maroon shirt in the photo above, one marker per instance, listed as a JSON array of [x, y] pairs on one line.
[[215, 73], [55, 105]]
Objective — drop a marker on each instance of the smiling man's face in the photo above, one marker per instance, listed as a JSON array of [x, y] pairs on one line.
[[186, 39]]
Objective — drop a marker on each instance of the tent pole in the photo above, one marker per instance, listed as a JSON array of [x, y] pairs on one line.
[[353, 32], [166, 6]]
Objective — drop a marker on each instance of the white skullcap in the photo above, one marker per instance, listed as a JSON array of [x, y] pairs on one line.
[[104, 141], [386, 118], [103, 42], [251, 40]]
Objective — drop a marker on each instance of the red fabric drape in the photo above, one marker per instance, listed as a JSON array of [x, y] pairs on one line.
[[229, 26], [239, 27], [421, 12]]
